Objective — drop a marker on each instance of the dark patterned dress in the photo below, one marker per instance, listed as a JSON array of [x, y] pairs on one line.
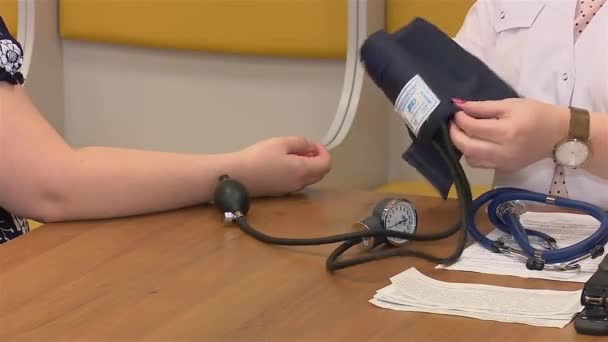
[[11, 59]]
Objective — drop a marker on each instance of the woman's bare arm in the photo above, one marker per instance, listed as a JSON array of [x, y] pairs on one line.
[[43, 178]]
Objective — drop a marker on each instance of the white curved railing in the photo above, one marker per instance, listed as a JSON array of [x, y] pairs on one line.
[[25, 36], [353, 75]]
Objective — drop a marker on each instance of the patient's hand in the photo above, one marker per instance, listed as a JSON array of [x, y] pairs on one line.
[[281, 165]]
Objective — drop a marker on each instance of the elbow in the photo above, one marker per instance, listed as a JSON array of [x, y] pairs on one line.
[[53, 191], [51, 215], [39, 198], [40, 186], [48, 208], [38, 210]]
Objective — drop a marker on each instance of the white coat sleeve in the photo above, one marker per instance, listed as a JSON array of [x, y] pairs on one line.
[[477, 33]]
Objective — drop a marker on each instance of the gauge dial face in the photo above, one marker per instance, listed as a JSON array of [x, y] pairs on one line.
[[399, 215]]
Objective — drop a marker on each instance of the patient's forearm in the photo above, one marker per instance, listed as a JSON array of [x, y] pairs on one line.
[[109, 182]]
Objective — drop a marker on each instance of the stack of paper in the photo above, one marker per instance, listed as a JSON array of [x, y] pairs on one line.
[[413, 291], [566, 228]]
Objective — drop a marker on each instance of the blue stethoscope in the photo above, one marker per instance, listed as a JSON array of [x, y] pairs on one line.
[[504, 208]]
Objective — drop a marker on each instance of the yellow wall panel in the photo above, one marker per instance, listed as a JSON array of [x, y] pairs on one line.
[[448, 15], [9, 11], [300, 28]]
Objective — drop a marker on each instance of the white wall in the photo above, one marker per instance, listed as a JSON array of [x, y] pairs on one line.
[[192, 102]]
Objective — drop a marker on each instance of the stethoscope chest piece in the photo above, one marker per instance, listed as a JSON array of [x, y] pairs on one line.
[[536, 241], [396, 214]]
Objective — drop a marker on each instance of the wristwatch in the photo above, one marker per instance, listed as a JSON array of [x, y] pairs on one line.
[[574, 151]]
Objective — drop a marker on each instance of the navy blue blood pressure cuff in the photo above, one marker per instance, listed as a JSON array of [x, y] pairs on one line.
[[420, 69]]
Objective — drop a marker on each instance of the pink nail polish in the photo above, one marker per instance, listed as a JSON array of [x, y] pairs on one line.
[[457, 100]]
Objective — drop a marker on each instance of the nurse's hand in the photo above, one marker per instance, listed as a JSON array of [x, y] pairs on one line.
[[507, 135], [282, 165]]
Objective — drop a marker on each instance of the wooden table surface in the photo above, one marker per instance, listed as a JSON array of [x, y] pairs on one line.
[[185, 275]]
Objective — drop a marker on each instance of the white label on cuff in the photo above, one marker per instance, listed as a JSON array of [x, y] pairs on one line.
[[415, 103]]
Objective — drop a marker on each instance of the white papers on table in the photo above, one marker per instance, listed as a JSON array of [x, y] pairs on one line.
[[566, 228], [413, 291]]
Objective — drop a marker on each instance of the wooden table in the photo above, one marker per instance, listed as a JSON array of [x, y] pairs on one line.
[[185, 275]]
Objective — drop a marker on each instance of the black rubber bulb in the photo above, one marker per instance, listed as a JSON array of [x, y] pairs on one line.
[[231, 196]]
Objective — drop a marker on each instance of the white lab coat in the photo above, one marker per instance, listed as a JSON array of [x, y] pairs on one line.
[[530, 44]]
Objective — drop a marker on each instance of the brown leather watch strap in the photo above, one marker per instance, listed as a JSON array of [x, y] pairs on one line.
[[579, 124]]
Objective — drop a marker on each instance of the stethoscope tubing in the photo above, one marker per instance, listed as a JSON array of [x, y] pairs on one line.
[[509, 223]]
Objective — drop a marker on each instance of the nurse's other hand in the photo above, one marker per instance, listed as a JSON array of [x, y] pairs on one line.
[[507, 135], [281, 165]]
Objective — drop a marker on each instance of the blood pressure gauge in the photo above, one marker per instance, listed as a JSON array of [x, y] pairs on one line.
[[390, 214]]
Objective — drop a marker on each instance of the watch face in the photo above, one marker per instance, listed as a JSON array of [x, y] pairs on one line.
[[572, 153]]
